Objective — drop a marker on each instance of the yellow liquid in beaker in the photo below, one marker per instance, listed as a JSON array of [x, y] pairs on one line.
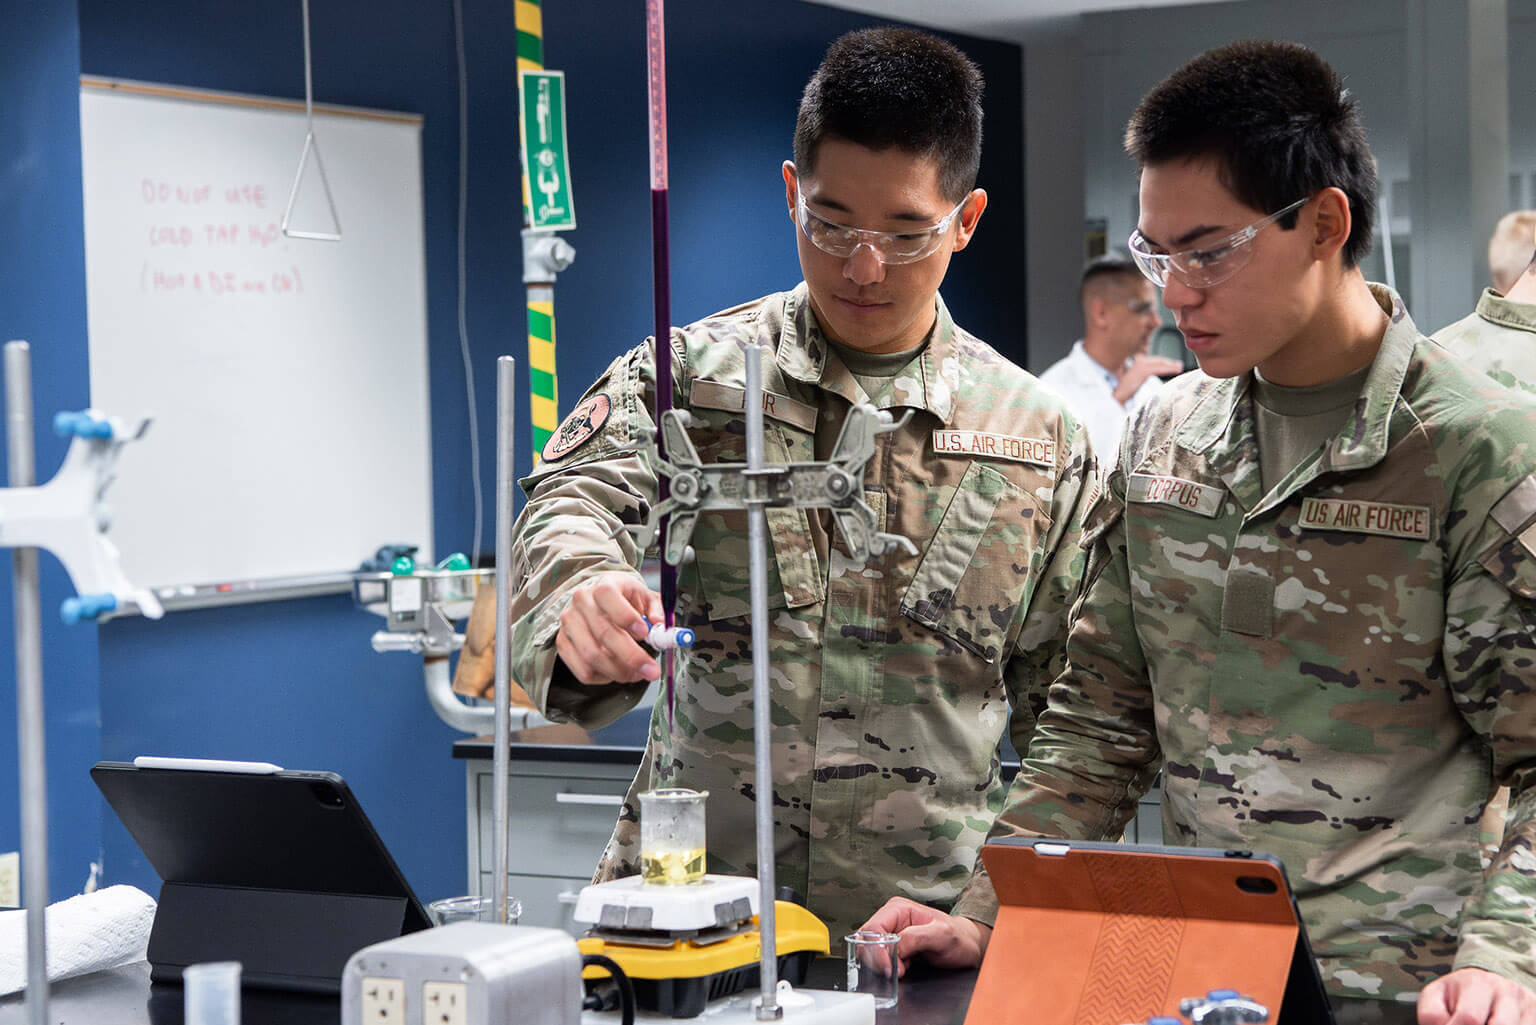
[[672, 868]]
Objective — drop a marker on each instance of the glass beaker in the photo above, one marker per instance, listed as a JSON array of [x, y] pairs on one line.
[[211, 993], [873, 966], [672, 836], [472, 909]]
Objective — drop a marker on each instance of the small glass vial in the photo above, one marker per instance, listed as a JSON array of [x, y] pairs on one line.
[[672, 836], [211, 993]]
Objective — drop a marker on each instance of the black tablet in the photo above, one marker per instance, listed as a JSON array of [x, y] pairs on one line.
[[279, 870]]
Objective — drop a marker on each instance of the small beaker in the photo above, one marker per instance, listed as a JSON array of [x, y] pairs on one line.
[[473, 908], [211, 993], [672, 836], [872, 965]]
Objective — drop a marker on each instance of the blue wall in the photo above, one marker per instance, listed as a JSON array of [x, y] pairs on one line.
[[296, 682], [42, 300]]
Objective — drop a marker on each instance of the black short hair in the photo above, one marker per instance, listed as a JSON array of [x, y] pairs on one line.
[[1109, 265], [896, 87], [1278, 121]]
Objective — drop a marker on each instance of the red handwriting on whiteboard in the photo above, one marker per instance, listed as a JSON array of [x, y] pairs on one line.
[[171, 235], [264, 235], [246, 195], [221, 234], [183, 193], [221, 282], [215, 235], [168, 281]]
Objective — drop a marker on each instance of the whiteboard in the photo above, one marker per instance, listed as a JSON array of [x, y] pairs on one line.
[[287, 378]]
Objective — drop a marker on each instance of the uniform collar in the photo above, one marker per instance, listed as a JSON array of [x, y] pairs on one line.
[[1363, 439], [1493, 307], [804, 355]]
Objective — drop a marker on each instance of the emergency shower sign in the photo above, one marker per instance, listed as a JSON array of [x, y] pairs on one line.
[[546, 168]]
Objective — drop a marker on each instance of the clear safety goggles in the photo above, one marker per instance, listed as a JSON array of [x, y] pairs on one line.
[[1208, 265], [890, 246]]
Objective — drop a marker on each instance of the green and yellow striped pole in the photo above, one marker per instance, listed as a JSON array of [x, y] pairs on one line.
[[544, 397], [544, 393]]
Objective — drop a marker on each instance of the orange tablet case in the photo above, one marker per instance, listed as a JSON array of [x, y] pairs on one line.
[[1105, 934]]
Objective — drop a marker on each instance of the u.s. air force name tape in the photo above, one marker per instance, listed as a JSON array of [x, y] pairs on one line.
[[1040, 451], [1384, 518]]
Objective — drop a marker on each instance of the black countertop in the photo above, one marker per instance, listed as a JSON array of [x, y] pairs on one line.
[[125, 996]]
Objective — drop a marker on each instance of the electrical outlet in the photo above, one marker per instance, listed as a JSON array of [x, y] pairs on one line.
[[444, 1003], [10, 879], [383, 1002]]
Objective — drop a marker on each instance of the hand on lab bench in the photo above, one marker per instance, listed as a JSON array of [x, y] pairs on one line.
[[1472, 996], [941, 939], [601, 629]]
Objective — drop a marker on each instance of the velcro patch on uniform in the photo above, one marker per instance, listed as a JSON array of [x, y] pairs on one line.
[[730, 399], [1189, 495], [578, 428], [1518, 507], [1383, 518], [1040, 451]]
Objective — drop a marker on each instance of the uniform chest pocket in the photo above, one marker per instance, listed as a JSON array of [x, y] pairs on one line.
[[983, 563], [719, 575]]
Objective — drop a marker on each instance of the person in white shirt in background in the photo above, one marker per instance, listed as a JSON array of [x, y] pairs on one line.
[[1109, 373]]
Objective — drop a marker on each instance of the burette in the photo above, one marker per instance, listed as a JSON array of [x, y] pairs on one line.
[[656, 67]]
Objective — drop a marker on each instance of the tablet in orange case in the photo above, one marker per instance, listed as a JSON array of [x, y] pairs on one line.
[[1106, 934]]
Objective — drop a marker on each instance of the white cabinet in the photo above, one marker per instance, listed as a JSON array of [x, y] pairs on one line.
[[559, 817]]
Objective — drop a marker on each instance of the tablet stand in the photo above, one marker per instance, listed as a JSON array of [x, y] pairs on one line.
[[283, 939]]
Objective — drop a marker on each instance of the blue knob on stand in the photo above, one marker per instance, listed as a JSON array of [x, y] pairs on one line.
[[81, 425], [86, 606]]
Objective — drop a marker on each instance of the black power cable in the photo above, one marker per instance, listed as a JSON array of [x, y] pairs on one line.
[[594, 1002]]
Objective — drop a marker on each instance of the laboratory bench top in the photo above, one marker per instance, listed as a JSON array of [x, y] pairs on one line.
[[621, 742], [125, 996]]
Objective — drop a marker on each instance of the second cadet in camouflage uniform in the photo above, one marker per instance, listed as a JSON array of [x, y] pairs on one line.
[[893, 681], [1310, 586], [1499, 337]]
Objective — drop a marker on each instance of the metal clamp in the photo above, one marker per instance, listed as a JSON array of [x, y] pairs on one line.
[[696, 486], [69, 516]]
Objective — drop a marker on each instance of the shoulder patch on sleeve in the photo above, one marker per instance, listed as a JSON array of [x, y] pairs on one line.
[[1517, 508], [579, 427], [1512, 560]]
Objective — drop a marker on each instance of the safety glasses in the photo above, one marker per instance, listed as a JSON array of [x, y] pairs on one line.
[[1208, 265], [891, 247]]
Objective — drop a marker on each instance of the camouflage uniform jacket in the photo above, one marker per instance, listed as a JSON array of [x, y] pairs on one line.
[[1338, 672], [1499, 338], [891, 682]]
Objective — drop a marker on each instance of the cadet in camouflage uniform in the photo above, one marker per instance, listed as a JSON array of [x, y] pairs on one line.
[[1316, 616], [1499, 337], [892, 681]]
